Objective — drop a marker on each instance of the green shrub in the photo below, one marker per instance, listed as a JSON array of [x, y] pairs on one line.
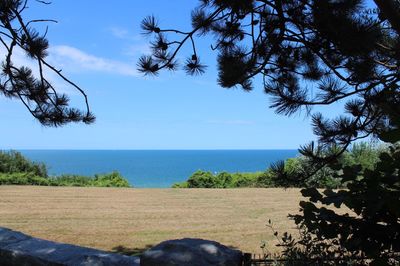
[[201, 179], [113, 179], [15, 169], [72, 181], [373, 195], [183, 184], [108, 180], [265, 179], [223, 180], [15, 162], [23, 179], [366, 155], [244, 180]]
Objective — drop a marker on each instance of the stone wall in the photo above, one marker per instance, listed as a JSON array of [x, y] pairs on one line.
[[19, 249]]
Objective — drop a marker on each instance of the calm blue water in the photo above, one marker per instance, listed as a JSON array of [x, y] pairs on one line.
[[156, 169]]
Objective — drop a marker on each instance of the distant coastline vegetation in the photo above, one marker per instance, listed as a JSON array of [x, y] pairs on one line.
[[363, 154], [15, 169]]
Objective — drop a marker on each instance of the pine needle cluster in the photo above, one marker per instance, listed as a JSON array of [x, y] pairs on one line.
[[36, 92]]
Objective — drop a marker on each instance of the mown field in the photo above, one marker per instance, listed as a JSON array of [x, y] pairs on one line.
[[130, 220]]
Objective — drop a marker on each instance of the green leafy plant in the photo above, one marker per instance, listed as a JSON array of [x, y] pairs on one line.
[[14, 162], [113, 179], [15, 169]]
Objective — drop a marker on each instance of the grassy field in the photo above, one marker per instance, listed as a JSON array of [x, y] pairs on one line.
[[130, 220]]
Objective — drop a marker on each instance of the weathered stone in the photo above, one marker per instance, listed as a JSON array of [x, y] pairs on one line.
[[19, 249], [193, 252], [8, 237]]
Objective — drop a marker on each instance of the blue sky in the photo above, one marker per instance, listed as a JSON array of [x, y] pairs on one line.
[[97, 44]]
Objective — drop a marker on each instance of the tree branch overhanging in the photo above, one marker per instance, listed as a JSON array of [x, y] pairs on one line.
[[38, 95], [308, 52]]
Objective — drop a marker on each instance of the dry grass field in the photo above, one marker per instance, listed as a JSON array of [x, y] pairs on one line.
[[129, 220]]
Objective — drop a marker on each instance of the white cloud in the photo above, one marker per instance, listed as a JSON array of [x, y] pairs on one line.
[[120, 33], [77, 60], [123, 34], [20, 58], [137, 45], [230, 122], [138, 50]]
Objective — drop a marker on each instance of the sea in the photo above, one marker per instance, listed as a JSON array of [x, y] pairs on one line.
[[155, 168]]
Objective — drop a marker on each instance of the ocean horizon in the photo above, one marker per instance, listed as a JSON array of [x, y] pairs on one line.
[[156, 168]]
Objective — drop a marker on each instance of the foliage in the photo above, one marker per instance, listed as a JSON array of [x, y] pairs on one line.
[[204, 179], [374, 197], [38, 95], [15, 169], [72, 181], [15, 162], [310, 53], [294, 168], [183, 184], [266, 179], [113, 179], [245, 179], [363, 153], [369, 233], [27, 178], [294, 171], [310, 250]]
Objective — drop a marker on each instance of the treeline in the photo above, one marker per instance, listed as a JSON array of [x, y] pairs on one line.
[[366, 155], [203, 179], [15, 169]]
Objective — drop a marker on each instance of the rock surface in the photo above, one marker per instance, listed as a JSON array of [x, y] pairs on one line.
[[20, 249], [193, 252]]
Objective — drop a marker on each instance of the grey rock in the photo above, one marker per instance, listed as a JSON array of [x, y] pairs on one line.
[[8, 237], [19, 249], [190, 251]]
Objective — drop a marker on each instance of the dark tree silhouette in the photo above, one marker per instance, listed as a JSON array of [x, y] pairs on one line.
[[38, 95], [308, 53], [312, 53]]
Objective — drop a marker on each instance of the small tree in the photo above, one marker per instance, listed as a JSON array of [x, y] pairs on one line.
[[201, 179]]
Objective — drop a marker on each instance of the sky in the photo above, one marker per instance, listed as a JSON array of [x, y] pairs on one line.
[[97, 45]]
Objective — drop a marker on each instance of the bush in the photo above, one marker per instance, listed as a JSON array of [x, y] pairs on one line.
[[244, 180], [72, 181], [373, 195], [370, 178], [15, 162], [201, 179], [15, 169], [364, 154], [23, 179], [294, 172], [223, 180], [113, 179], [265, 179]]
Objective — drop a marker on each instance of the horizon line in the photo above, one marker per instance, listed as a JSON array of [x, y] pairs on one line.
[[194, 149]]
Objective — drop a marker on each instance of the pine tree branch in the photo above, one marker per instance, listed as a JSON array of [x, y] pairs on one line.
[[391, 10]]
